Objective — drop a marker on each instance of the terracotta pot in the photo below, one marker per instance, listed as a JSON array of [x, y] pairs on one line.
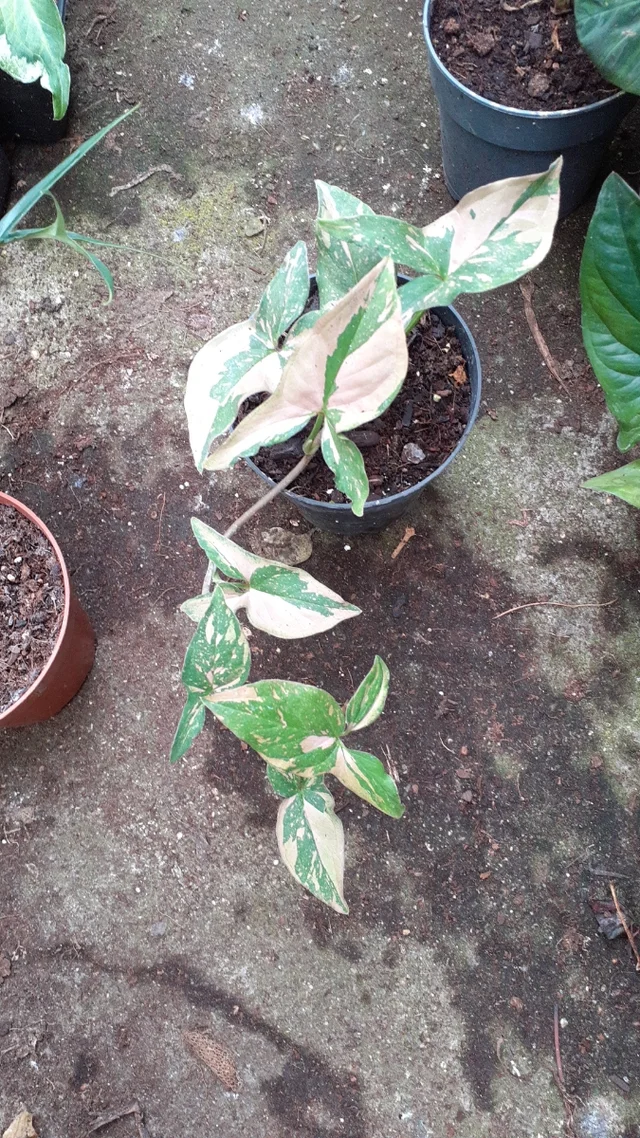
[[72, 657]]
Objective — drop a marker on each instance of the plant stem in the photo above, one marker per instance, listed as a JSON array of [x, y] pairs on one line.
[[310, 446], [257, 506]]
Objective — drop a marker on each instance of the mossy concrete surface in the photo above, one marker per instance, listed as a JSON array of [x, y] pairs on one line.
[[138, 901]]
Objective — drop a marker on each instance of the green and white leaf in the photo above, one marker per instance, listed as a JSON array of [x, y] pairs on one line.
[[610, 294], [245, 359], [282, 600], [345, 460], [189, 727], [218, 656], [366, 381], [494, 235], [294, 726], [365, 775], [367, 703], [284, 784], [624, 483], [33, 45], [196, 607], [311, 841], [609, 31], [339, 265]]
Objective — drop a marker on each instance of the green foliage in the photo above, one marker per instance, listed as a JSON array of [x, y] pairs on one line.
[[624, 483], [609, 31], [33, 45]]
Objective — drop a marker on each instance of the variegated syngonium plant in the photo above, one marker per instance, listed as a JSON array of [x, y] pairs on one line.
[[299, 730], [342, 364]]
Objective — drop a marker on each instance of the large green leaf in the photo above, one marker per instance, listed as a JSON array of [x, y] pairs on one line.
[[624, 483], [33, 45], [279, 599], [368, 701], [294, 726], [311, 842], [610, 293], [494, 235], [365, 775], [189, 726], [609, 31], [341, 266]]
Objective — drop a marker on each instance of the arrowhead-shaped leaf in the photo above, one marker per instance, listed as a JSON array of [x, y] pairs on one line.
[[246, 358], [494, 235], [366, 380], [33, 45], [610, 293], [294, 726], [368, 701], [311, 842], [365, 775], [345, 460], [189, 727], [339, 265], [624, 483], [279, 599], [609, 31]]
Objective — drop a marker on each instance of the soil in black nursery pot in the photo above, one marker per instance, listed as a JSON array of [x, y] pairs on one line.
[[413, 437], [518, 55], [31, 604]]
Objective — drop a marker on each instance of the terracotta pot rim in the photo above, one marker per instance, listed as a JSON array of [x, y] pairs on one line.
[[7, 500]]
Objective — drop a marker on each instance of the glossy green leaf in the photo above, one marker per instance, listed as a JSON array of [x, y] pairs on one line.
[[345, 460], [341, 266], [368, 702], [189, 727], [218, 656], [610, 293], [609, 31], [365, 775], [311, 842], [284, 297], [282, 600], [624, 483], [294, 726], [284, 784], [33, 45]]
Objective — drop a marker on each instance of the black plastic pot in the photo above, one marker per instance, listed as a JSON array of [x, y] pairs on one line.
[[483, 141], [5, 180], [25, 108], [379, 513]]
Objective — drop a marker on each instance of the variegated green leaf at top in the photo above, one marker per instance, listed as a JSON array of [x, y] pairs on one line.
[[624, 483], [189, 727], [610, 294], [311, 841], [33, 45], [365, 775], [246, 358], [279, 599], [284, 784], [339, 266], [609, 31], [345, 460], [367, 703], [294, 726], [494, 235], [364, 384]]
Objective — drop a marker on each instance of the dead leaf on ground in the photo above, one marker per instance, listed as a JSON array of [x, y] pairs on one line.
[[214, 1057], [21, 1127]]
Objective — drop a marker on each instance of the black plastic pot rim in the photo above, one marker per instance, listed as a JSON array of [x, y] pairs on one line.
[[410, 491], [518, 112]]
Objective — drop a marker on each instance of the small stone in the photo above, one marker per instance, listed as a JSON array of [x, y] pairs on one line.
[[412, 453], [451, 26], [481, 42], [538, 85], [278, 544], [533, 41]]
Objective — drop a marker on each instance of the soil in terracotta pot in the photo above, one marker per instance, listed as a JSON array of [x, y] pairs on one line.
[[411, 439], [518, 55], [31, 604]]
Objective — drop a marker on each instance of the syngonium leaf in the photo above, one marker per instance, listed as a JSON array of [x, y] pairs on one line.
[[352, 364], [340, 269], [217, 658], [494, 235], [624, 483], [368, 701], [279, 599], [609, 31], [33, 45], [246, 358], [610, 294], [311, 841], [365, 775]]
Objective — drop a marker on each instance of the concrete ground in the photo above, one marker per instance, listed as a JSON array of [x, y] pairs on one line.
[[138, 901]]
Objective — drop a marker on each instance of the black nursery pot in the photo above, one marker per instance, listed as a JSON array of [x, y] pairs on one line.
[[484, 142], [380, 512], [26, 112], [5, 179]]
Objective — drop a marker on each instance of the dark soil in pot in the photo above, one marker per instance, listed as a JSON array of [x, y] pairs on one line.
[[413, 437], [529, 57], [31, 604]]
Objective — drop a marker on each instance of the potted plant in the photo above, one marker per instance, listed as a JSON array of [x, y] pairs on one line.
[[326, 371], [610, 295], [515, 88], [34, 78]]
